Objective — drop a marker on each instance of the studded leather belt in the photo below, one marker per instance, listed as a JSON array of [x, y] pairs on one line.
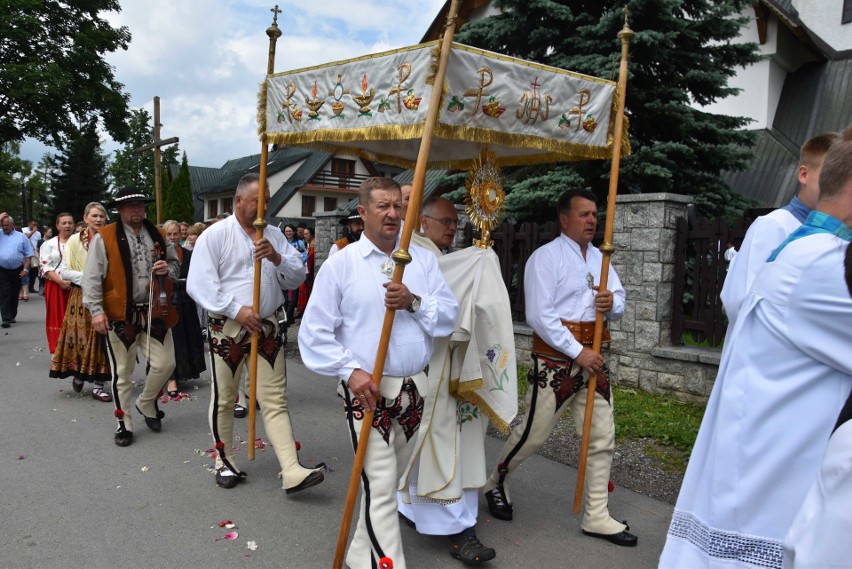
[[584, 332]]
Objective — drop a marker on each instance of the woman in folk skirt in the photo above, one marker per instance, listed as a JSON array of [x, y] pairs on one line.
[[56, 289], [79, 351]]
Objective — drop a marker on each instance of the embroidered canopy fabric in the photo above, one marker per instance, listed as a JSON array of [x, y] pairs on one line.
[[376, 106]]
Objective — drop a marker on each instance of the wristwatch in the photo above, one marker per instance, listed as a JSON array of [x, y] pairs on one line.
[[415, 305]]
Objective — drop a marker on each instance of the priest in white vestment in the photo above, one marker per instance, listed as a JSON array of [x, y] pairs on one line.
[[784, 376], [472, 380]]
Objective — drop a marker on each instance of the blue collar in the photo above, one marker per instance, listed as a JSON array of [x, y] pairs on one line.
[[816, 222], [798, 208]]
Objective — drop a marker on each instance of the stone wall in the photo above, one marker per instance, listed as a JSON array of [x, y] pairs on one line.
[[328, 230], [641, 354]]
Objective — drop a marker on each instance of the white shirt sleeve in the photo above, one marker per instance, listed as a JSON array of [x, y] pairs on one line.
[[540, 285], [203, 283], [319, 347], [93, 274], [438, 308], [291, 270]]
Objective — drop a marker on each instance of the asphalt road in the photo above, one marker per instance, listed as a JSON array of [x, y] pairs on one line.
[[72, 498]]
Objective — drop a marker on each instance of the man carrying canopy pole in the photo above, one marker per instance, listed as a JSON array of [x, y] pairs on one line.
[[562, 299], [218, 280], [339, 337]]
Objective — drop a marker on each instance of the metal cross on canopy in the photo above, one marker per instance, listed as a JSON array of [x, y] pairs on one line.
[[275, 11], [155, 146]]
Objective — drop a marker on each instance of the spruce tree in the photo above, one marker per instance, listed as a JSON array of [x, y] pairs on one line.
[[178, 200], [682, 54], [81, 174]]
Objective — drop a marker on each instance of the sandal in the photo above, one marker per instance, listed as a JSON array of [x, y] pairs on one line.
[[25, 298], [101, 395]]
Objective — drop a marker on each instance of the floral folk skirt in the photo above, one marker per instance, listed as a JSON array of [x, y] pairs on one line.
[[79, 350]]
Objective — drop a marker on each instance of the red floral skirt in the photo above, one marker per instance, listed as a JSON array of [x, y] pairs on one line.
[[55, 302]]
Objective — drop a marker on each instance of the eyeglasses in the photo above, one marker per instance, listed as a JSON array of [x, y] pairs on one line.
[[445, 221]]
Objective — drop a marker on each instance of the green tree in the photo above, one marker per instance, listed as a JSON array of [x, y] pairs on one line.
[[53, 72], [682, 54], [81, 174], [178, 200], [13, 174]]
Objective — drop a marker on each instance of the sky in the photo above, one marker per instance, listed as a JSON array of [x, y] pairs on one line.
[[205, 59]]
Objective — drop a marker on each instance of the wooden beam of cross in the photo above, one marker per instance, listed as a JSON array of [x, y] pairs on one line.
[[156, 145]]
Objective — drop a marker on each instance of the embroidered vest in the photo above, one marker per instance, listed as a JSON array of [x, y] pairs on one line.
[[116, 301], [342, 242]]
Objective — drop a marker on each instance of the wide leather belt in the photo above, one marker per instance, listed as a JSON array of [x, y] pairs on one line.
[[584, 332]]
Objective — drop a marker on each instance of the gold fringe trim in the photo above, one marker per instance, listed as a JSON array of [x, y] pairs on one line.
[[625, 136], [261, 109], [555, 150], [467, 392]]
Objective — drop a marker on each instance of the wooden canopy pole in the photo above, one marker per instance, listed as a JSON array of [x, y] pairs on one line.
[[402, 258], [625, 35], [260, 224]]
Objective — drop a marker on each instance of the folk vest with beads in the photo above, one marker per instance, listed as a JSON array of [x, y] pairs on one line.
[[117, 303]]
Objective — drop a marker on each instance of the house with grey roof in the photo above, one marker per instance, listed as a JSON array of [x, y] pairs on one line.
[[301, 182]]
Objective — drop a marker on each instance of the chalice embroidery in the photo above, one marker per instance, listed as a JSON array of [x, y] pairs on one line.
[[591, 280], [386, 268]]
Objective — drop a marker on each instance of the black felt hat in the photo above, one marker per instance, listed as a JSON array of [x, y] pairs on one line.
[[130, 194], [353, 217]]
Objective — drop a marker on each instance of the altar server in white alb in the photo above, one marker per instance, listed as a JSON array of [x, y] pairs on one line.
[[562, 295], [221, 280], [819, 536], [767, 232], [784, 376], [339, 337]]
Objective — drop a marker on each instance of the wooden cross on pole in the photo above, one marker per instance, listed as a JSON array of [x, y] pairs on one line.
[[156, 145]]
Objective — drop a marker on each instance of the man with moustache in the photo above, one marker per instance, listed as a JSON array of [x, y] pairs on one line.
[[561, 301], [339, 337]]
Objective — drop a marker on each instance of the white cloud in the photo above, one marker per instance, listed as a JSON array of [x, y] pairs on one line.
[[206, 58]]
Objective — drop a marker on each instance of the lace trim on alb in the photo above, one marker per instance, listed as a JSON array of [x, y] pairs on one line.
[[721, 544]]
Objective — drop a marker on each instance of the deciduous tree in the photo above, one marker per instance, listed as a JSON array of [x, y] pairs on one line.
[[52, 69]]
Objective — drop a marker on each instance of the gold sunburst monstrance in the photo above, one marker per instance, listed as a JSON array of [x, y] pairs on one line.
[[485, 196]]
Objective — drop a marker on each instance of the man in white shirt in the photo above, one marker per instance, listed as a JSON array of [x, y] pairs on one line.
[[339, 337], [221, 280], [768, 231], [561, 301], [34, 235]]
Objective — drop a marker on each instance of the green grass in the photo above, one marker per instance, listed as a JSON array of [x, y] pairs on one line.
[[689, 340], [641, 415], [671, 425]]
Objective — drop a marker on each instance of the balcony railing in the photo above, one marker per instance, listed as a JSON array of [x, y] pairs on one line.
[[338, 180]]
